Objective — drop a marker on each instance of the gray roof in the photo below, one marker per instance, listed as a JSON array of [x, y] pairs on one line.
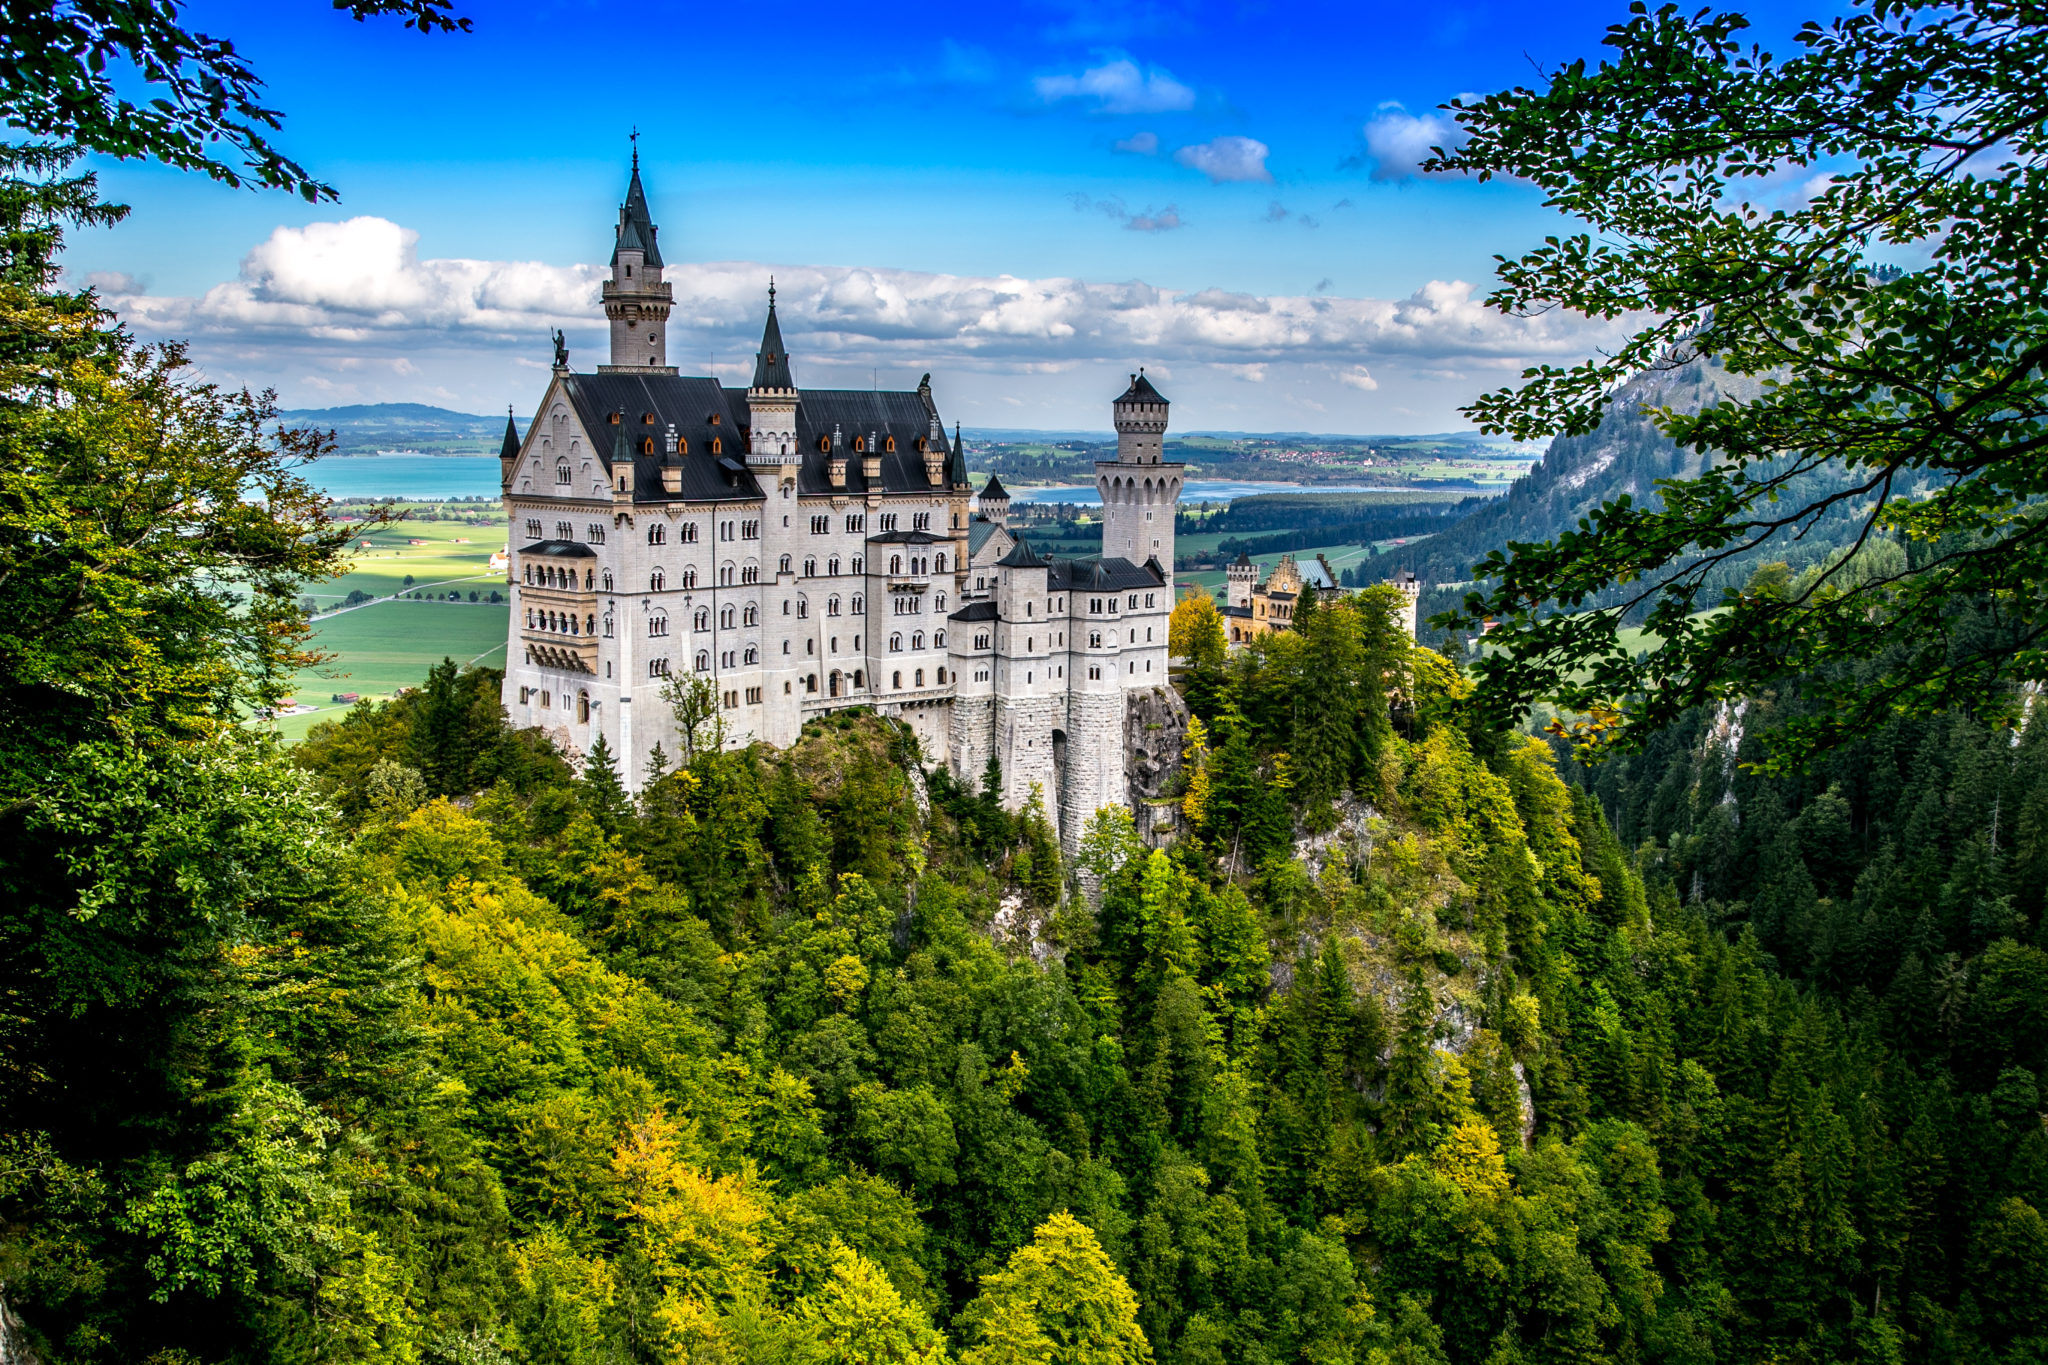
[[560, 549], [822, 414], [1141, 390], [907, 538], [978, 532], [647, 405], [1100, 575], [510, 450], [1314, 572], [636, 229], [993, 490], [976, 611], [771, 362], [1021, 556]]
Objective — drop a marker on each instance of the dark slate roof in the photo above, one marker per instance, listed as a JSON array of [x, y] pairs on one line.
[[858, 412], [1099, 575], [975, 611], [1242, 558], [907, 538], [1021, 556], [510, 450], [771, 362], [978, 532], [1235, 611], [688, 404], [636, 228], [956, 464], [560, 549], [994, 490], [1141, 391]]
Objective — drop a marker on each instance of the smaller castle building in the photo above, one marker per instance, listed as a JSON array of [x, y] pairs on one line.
[[1253, 608]]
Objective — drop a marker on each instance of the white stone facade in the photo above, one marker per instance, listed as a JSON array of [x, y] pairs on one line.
[[807, 551]]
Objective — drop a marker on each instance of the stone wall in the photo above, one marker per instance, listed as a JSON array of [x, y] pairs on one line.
[[1155, 734]]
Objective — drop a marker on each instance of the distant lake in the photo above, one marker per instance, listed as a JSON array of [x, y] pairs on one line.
[[407, 476], [1194, 490], [466, 476]]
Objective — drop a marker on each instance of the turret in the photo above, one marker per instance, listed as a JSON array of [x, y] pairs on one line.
[[1139, 491], [994, 501], [635, 298], [772, 397], [1140, 422], [1242, 576], [508, 452]]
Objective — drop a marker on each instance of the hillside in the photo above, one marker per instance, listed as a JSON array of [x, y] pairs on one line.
[[366, 428]]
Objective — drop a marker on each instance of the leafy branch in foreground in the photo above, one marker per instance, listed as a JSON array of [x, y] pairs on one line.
[[1913, 403], [59, 65]]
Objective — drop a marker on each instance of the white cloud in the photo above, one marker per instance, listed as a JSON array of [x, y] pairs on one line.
[[1227, 158], [1139, 144], [1396, 141], [353, 304], [1119, 87]]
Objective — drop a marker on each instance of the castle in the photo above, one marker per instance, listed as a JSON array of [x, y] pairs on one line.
[[807, 550]]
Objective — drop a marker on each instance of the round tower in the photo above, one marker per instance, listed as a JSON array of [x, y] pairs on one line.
[[993, 501], [1242, 576], [636, 299], [772, 398], [1140, 491]]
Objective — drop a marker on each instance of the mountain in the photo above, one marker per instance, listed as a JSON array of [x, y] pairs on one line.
[[366, 428]]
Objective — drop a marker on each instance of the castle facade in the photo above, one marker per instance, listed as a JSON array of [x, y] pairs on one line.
[[806, 550]]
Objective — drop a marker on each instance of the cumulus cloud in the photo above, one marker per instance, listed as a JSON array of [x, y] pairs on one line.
[[1139, 144], [1396, 141], [1118, 87], [1227, 158], [354, 298]]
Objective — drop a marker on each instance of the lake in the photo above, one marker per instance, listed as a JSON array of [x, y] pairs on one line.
[[466, 476], [407, 476]]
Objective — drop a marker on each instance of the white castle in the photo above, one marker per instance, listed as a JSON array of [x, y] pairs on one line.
[[808, 550]]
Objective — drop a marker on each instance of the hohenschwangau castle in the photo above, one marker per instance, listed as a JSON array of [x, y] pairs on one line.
[[812, 549]]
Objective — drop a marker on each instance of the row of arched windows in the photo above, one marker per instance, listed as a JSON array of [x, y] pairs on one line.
[[554, 576], [560, 622], [916, 640]]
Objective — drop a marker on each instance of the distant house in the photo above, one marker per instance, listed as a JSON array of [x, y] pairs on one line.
[[416, 542], [1254, 608]]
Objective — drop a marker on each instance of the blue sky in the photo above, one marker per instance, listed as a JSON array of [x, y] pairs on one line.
[[1026, 201]]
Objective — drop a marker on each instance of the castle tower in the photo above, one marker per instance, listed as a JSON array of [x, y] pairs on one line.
[[635, 298], [994, 501], [1139, 491], [772, 398], [1410, 588], [1242, 576]]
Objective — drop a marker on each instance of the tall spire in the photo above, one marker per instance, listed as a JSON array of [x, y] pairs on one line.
[[510, 450], [636, 231], [771, 362]]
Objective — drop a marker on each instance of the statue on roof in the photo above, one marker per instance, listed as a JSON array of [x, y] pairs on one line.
[[561, 350]]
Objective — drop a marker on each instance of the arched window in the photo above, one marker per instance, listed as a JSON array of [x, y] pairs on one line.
[[860, 604], [647, 445], [751, 656], [656, 581], [785, 564], [751, 616], [920, 678], [657, 624], [810, 567], [725, 576], [657, 534], [857, 562], [689, 579], [917, 639], [895, 643], [889, 444], [938, 601], [703, 621], [939, 642], [895, 564], [942, 677], [529, 618], [832, 683], [703, 660], [832, 605], [810, 682], [607, 580], [725, 619], [896, 680], [832, 566], [562, 472], [607, 626], [939, 564], [803, 609], [857, 683]]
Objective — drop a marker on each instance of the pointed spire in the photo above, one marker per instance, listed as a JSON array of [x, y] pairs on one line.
[[510, 450], [771, 362], [636, 226]]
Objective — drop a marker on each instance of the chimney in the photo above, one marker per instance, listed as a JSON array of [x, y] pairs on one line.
[[871, 464], [671, 476]]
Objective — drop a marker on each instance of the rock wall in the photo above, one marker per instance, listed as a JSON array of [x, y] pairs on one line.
[[1155, 734]]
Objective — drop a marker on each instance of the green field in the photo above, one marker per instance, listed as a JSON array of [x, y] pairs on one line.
[[383, 646], [382, 568]]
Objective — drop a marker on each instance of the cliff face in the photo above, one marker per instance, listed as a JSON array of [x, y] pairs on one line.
[[1155, 735]]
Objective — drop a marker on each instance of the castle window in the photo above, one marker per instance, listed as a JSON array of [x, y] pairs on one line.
[[857, 522], [689, 579], [857, 677], [1095, 673], [832, 605], [725, 574], [810, 566], [938, 564], [1148, 599], [939, 642], [942, 677], [657, 624], [726, 618], [657, 668], [921, 521], [888, 522], [646, 448], [803, 609], [607, 626], [824, 445], [821, 525], [593, 534], [920, 678], [752, 655], [889, 444], [859, 445], [657, 534], [938, 601], [1134, 601], [689, 535], [564, 531], [532, 529], [703, 619], [732, 701], [896, 680], [616, 416], [917, 639], [753, 696], [895, 644], [860, 605], [717, 446], [751, 574], [751, 616], [895, 564], [783, 564], [1094, 639], [682, 445], [858, 561], [832, 566], [656, 581]]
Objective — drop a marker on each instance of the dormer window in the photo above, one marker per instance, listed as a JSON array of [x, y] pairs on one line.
[[717, 446], [615, 418], [824, 445], [714, 419], [646, 419], [889, 444], [859, 445], [647, 446]]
